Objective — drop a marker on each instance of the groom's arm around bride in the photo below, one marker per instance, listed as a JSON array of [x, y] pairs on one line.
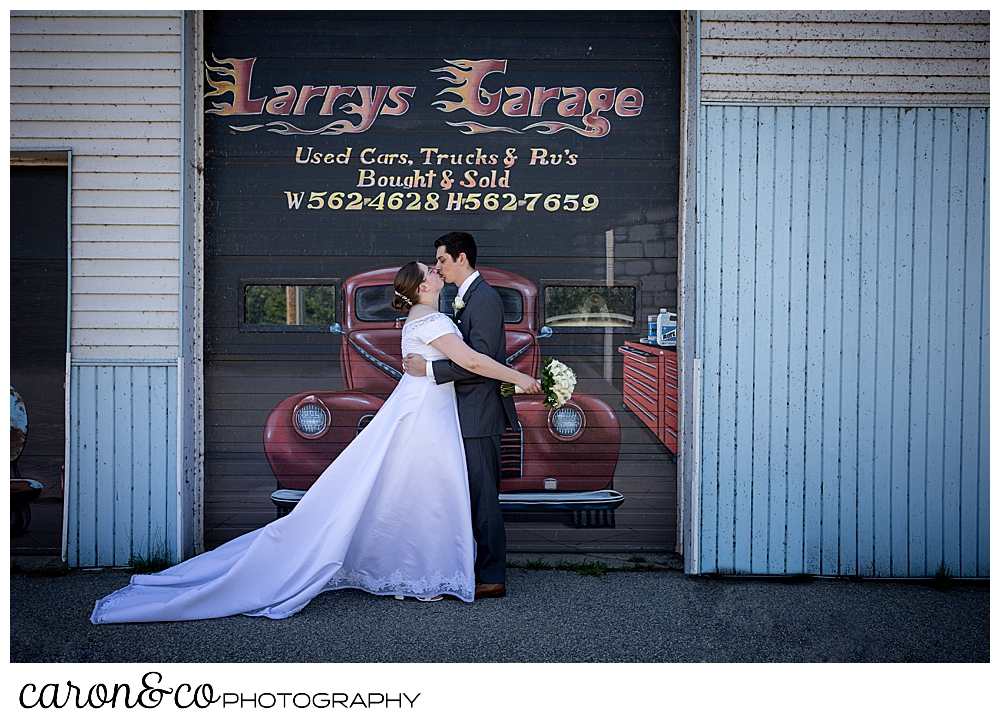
[[483, 411]]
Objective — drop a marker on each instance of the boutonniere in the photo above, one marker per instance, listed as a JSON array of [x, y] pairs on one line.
[[457, 305]]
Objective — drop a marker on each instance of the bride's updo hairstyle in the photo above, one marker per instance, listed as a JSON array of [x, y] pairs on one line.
[[407, 286]]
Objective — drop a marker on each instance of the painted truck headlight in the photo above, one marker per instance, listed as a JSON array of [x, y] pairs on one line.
[[311, 417], [567, 422]]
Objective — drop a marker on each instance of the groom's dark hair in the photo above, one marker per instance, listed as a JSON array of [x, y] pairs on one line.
[[458, 242]]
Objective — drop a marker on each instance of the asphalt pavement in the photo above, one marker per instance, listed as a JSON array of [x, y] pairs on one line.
[[638, 611]]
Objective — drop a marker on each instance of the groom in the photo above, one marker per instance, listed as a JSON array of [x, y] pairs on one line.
[[483, 413]]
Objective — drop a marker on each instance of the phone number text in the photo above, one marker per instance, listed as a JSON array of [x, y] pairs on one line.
[[454, 201]]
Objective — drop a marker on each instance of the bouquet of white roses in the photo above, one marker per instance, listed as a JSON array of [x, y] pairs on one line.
[[558, 382]]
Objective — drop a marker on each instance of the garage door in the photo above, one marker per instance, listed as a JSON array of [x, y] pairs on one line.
[[338, 146]]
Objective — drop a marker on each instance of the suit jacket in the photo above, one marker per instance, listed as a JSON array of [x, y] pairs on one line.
[[482, 410]]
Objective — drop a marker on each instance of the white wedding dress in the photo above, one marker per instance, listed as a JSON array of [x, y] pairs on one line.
[[390, 516]]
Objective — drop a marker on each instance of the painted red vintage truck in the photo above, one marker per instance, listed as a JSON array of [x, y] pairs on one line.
[[559, 460]]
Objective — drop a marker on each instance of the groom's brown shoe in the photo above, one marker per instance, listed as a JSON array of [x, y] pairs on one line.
[[490, 589]]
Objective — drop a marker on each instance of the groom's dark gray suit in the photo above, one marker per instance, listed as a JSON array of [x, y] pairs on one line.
[[483, 415]]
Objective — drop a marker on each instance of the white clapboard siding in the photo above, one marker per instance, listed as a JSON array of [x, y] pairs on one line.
[[59, 95], [843, 333], [115, 129], [90, 78], [147, 337], [127, 198], [86, 23], [93, 61], [124, 302], [116, 180], [140, 232], [122, 352], [850, 57], [107, 85], [95, 13], [736, 65], [126, 164], [943, 17], [123, 463], [108, 146], [768, 48], [124, 217], [123, 285], [93, 43], [137, 112], [112, 250], [141, 321]]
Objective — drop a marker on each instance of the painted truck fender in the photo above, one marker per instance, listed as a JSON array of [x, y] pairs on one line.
[[297, 460]]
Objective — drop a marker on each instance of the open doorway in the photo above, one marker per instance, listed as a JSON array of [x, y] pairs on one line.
[[38, 324]]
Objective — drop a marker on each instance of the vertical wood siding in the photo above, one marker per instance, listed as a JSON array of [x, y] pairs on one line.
[[123, 463], [107, 85], [843, 332], [846, 57]]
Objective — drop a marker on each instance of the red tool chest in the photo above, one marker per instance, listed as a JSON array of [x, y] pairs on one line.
[[650, 388]]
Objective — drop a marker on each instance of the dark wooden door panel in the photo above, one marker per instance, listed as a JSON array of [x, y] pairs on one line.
[[258, 225]]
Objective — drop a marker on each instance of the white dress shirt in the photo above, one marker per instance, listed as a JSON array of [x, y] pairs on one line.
[[461, 295], [466, 284]]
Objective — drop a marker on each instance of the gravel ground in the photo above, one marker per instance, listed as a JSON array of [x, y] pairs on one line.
[[656, 615]]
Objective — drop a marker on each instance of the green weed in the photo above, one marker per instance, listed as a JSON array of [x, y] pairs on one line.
[[593, 569], [154, 561], [943, 579], [538, 564]]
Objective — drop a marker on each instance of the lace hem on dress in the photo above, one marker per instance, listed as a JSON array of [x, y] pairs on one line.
[[459, 585], [110, 603]]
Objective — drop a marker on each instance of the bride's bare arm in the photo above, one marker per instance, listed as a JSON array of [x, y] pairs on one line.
[[452, 346]]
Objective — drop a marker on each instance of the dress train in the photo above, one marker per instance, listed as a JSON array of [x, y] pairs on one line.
[[389, 516]]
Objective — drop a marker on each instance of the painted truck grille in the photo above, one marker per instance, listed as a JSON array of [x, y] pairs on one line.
[[511, 455]]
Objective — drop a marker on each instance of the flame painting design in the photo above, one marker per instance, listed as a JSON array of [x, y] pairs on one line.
[[592, 131], [240, 71], [471, 127], [467, 76], [221, 87], [285, 128], [233, 75]]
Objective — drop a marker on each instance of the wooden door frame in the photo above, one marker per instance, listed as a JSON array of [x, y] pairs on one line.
[[190, 362], [689, 366]]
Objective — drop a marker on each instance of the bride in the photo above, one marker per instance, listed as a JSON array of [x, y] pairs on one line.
[[390, 515]]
